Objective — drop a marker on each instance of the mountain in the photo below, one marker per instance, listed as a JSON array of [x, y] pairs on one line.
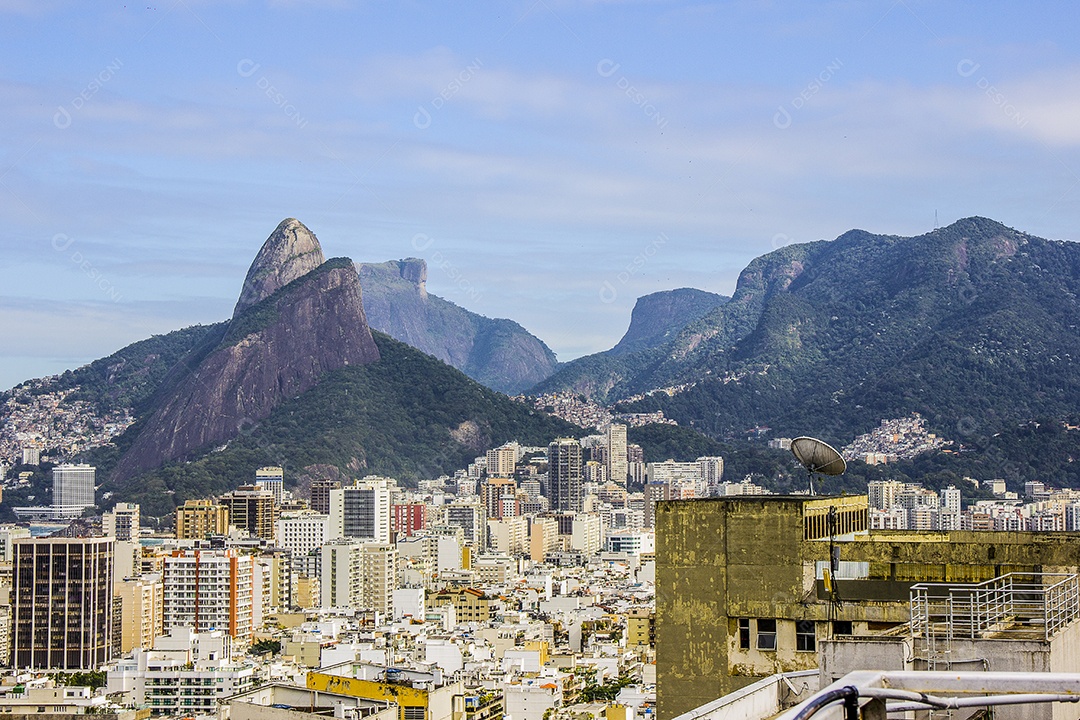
[[656, 321], [406, 415], [498, 353], [290, 252], [295, 378], [973, 325], [281, 340], [656, 318]]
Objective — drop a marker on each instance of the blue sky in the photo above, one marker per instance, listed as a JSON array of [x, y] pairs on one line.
[[552, 161]]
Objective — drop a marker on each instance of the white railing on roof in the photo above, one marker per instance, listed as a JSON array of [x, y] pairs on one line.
[[1010, 605]]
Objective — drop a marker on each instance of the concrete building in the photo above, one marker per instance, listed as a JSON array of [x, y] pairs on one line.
[[470, 604], [358, 574], [320, 495], [62, 603], [122, 522], [586, 534], [303, 532], [187, 673], [209, 590], [502, 461], [408, 519], [361, 510], [253, 509], [199, 519], [632, 543], [419, 695], [543, 538], [471, 518], [8, 535], [271, 479], [565, 479], [747, 586], [509, 536], [617, 467], [277, 701], [142, 611], [73, 490]]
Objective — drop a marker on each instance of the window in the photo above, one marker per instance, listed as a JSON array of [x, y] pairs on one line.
[[744, 633], [805, 636], [766, 634], [842, 627]]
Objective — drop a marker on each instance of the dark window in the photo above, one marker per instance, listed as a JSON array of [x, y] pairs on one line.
[[766, 634], [744, 633], [842, 627], [805, 636]]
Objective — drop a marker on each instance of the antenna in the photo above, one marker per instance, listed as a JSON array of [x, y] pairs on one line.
[[818, 458]]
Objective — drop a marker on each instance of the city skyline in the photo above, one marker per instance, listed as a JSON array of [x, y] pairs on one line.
[[551, 161]]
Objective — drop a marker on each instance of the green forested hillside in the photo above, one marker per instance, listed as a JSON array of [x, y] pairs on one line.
[[407, 416]]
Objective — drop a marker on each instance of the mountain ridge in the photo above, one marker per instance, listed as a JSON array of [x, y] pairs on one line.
[[497, 352]]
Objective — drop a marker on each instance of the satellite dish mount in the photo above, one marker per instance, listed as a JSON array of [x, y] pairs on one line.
[[818, 457]]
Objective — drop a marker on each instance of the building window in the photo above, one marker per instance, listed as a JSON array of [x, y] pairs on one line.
[[744, 633], [842, 627], [766, 634], [805, 636]]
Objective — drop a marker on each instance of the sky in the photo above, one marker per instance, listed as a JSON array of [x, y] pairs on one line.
[[551, 160]]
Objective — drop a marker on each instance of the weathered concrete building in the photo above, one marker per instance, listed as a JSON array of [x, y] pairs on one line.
[[749, 586]]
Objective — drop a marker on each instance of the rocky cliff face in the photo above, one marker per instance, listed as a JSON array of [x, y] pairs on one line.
[[657, 317], [498, 353], [273, 350], [290, 252]]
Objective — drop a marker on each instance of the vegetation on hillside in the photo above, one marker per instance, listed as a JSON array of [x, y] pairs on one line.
[[407, 416]]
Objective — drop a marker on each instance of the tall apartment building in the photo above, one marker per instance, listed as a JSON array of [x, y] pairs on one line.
[[198, 519], [209, 589], [271, 479], [62, 603], [409, 519], [320, 495], [303, 532], [499, 495], [358, 574], [564, 475], [712, 473], [361, 510], [502, 461], [882, 494], [617, 464], [253, 509], [73, 489], [654, 492], [470, 516], [8, 535], [141, 611], [122, 522]]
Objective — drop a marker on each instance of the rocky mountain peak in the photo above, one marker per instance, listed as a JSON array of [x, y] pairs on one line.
[[657, 317], [290, 252]]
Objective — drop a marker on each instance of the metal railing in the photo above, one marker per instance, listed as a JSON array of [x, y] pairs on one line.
[[1012, 605]]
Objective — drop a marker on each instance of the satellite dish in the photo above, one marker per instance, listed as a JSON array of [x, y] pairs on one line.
[[817, 457]]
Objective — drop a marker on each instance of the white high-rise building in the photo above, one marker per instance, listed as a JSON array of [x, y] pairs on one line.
[[122, 522], [272, 479], [883, 493], [73, 489], [362, 510], [617, 466], [302, 533], [209, 590], [712, 473], [950, 500]]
